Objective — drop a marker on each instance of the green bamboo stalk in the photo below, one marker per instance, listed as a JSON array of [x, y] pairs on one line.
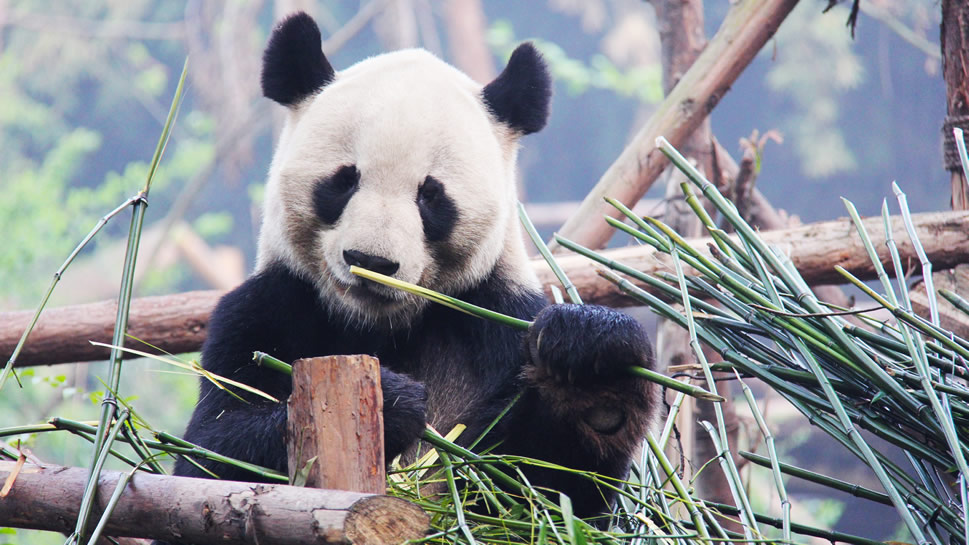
[[718, 235], [182, 447], [955, 299], [87, 499], [916, 347], [650, 280], [850, 488], [805, 297], [831, 536], [480, 312], [906, 316], [919, 251], [691, 506], [112, 503], [526, 222], [442, 299], [108, 405], [265, 360], [775, 464], [138, 445], [9, 367], [897, 500], [455, 498], [721, 444]]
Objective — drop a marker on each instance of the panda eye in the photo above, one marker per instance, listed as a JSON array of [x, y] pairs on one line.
[[332, 193], [345, 179], [429, 192], [438, 212]]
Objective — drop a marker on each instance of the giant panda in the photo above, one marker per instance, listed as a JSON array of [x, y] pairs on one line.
[[403, 165]]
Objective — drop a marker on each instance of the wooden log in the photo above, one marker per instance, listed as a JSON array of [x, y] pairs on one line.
[[747, 27], [206, 511], [815, 249], [336, 416], [176, 323]]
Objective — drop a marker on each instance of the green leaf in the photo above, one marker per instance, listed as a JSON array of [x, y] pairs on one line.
[[299, 479]]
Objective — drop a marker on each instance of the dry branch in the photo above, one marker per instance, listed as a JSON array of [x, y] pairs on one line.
[[177, 323], [209, 511], [746, 29], [336, 416]]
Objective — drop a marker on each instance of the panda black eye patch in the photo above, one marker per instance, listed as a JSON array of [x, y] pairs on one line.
[[331, 194], [439, 214]]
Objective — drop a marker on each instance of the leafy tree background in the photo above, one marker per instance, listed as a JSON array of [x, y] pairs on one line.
[[85, 85]]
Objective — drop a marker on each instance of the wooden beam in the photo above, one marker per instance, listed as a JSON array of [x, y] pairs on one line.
[[176, 323], [207, 511], [747, 27]]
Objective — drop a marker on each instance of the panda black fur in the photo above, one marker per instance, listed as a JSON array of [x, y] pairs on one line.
[[404, 165]]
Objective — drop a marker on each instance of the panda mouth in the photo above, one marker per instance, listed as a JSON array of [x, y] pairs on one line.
[[371, 292]]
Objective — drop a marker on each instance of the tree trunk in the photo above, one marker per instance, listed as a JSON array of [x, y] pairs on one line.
[[466, 27], [955, 71], [336, 416], [682, 39], [208, 511]]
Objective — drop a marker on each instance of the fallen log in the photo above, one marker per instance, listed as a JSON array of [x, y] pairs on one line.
[[208, 511], [176, 323]]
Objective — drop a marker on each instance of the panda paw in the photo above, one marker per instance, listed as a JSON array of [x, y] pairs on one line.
[[578, 356], [405, 411], [585, 344]]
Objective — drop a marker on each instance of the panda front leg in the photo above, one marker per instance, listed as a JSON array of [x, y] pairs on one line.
[[258, 429], [581, 408]]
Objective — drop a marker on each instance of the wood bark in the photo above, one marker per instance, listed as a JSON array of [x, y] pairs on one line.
[[336, 416], [209, 511], [955, 70], [815, 249], [747, 27], [175, 323]]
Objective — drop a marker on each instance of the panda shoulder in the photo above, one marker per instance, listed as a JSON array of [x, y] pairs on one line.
[[275, 295]]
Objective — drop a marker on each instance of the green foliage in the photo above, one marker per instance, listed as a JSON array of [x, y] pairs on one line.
[[815, 66]]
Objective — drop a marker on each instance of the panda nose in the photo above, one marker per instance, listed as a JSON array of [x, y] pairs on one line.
[[373, 263]]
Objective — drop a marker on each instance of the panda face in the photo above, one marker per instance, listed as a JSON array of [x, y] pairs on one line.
[[398, 164]]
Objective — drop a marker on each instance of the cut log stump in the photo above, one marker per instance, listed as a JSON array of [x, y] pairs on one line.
[[336, 416]]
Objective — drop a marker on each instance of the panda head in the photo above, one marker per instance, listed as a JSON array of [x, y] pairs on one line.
[[400, 164]]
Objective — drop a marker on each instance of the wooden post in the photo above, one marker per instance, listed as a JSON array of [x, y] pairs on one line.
[[336, 416]]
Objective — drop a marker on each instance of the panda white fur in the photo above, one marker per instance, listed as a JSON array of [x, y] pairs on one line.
[[404, 165]]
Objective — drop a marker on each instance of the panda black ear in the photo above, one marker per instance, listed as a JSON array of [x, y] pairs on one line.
[[293, 65], [519, 97]]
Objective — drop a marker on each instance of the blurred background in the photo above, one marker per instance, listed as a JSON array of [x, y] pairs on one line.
[[85, 86]]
